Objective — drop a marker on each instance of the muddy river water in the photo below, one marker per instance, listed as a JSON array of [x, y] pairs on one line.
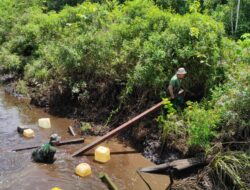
[[17, 171]]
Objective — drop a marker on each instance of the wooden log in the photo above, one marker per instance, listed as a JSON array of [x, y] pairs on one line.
[[157, 168], [26, 148], [71, 141], [71, 130], [118, 129], [106, 179], [115, 153], [177, 165]]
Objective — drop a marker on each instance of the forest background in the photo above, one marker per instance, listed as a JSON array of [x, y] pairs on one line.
[[117, 57]]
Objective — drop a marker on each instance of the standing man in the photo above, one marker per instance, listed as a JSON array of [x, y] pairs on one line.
[[174, 88]]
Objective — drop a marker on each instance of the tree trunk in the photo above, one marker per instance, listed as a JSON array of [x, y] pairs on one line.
[[237, 16], [232, 22]]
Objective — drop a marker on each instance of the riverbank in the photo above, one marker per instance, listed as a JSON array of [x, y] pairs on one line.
[[145, 136]]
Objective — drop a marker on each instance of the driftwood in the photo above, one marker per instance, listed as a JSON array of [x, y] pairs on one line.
[[106, 179], [71, 130], [72, 141], [176, 165], [118, 129]]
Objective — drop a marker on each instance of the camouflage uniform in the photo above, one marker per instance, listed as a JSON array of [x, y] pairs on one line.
[[46, 152]]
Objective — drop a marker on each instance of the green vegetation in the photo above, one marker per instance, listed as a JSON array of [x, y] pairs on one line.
[[136, 43], [85, 127], [223, 117], [202, 124], [21, 87], [234, 14], [232, 165], [108, 53]]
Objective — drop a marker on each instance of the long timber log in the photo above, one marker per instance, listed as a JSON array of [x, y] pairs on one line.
[[117, 130], [26, 148], [65, 142]]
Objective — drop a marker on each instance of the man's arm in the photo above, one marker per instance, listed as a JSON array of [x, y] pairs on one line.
[[171, 91]]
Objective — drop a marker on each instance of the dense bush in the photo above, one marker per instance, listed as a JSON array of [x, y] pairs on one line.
[[225, 113], [103, 50], [136, 43], [202, 125], [233, 100]]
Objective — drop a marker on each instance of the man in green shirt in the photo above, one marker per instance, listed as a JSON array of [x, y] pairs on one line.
[[174, 88], [46, 152]]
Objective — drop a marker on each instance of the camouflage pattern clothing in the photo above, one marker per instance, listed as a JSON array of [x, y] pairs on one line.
[[44, 154]]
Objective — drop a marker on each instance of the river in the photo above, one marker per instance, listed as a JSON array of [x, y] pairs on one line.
[[17, 171]]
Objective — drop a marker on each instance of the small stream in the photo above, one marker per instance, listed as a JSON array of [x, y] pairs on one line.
[[17, 171]]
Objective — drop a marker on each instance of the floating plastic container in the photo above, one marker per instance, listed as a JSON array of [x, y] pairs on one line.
[[56, 188], [83, 170], [21, 129], [102, 154], [28, 133], [44, 123]]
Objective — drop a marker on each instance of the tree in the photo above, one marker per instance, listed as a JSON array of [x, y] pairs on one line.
[[237, 15]]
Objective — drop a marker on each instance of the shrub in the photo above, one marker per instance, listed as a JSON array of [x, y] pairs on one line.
[[85, 127], [36, 71], [202, 124], [232, 165], [168, 121], [10, 62], [21, 87], [233, 100]]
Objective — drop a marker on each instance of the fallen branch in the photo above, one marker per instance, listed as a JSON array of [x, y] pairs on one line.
[[72, 141], [106, 179], [177, 165], [143, 179], [26, 148], [237, 142], [71, 130]]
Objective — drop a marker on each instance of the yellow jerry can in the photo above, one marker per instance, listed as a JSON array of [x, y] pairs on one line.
[[102, 154], [28, 133], [44, 123], [83, 170], [56, 188]]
